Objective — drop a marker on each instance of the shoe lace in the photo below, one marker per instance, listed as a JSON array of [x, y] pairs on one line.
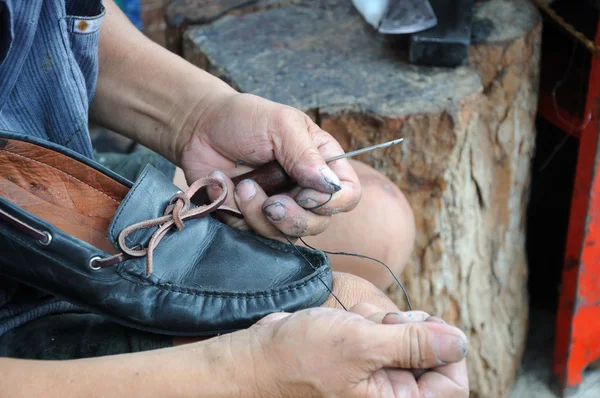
[[178, 211]]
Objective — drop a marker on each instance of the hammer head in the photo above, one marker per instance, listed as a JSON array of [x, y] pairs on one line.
[[397, 16], [446, 44]]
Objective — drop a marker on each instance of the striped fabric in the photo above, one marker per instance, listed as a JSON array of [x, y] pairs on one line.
[[48, 72], [48, 76]]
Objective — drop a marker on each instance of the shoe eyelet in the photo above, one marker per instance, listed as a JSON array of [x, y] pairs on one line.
[[92, 261], [48, 239]]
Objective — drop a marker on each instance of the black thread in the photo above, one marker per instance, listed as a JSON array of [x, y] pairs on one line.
[[572, 128], [321, 205], [315, 268], [368, 258]]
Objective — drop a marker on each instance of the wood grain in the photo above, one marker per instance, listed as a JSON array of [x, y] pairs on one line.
[[464, 166]]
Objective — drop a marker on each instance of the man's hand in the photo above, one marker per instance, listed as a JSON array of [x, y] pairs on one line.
[[361, 353], [320, 352], [374, 350], [245, 128], [352, 290], [427, 354], [202, 124]]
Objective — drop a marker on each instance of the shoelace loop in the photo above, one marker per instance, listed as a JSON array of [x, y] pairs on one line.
[[178, 210]]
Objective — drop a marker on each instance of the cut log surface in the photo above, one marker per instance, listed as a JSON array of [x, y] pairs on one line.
[[180, 14], [465, 163], [186, 12]]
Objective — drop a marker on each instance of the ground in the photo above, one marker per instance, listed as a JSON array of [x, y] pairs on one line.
[[535, 376]]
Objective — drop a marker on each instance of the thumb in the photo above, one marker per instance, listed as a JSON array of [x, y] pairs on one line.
[[415, 345], [299, 155], [274, 317]]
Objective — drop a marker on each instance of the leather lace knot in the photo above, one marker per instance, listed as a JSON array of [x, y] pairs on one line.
[[178, 211]]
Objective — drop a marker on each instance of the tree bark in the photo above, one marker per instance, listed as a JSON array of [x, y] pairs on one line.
[[465, 163]]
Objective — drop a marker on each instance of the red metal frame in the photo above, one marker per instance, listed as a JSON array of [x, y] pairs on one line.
[[577, 341], [558, 116]]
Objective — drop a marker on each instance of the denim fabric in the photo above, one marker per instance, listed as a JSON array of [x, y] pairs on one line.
[[48, 76], [48, 73], [75, 336], [131, 165]]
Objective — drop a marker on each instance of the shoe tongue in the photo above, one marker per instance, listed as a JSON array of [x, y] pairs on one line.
[[148, 199]]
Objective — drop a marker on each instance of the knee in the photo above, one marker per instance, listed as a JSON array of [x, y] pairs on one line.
[[351, 290], [390, 222], [382, 227]]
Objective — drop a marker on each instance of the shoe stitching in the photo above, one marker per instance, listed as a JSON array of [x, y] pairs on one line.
[[145, 322], [177, 211], [209, 293], [146, 282], [67, 174], [121, 208]]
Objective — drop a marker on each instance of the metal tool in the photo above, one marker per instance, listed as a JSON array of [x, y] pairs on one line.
[[367, 149], [448, 43], [397, 16], [273, 179]]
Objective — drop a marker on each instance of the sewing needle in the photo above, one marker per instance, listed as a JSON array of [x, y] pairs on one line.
[[363, 150]]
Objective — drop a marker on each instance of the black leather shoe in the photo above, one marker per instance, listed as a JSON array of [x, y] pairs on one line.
[[141, 254]]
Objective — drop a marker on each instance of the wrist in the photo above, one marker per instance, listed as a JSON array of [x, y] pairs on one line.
[[198, 110], [236, 367], [230, 365], [154, 103]]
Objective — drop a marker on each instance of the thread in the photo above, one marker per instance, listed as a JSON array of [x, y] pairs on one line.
[[315, 268], [372, 259], [572, 128], [321, 205]]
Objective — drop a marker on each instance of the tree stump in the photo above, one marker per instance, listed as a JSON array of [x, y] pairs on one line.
[[464, 166], [182, 13]]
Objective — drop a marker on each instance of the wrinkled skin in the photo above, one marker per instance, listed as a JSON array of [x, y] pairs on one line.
[[373, 350], [365, 352], [276, 132]]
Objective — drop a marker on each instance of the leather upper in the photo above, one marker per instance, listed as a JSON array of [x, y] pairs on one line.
[[208, 278]]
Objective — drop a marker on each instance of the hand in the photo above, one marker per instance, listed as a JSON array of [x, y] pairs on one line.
[[329, 352], [202, 124], [243, 127], [361, 353], [352, 290], [349, 289], [297, 355]]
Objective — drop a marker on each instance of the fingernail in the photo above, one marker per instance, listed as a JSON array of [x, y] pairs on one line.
[[217, 174], [392, 318], [275, 212], [449, 348], [311, 199], [331, 178], [435, 319], [308, 203], [245, 190]]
